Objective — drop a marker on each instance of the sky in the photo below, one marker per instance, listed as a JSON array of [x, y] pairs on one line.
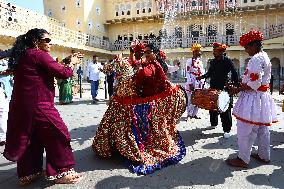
[[35, 5]]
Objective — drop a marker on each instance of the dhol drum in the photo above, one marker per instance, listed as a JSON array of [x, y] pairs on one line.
[[211, 99]]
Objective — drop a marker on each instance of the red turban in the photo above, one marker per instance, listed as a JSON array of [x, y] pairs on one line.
[[139, 47], [163, 55], [220, 46], [251, 36]]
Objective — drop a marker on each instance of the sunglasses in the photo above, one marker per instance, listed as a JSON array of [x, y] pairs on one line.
[[46, 40]]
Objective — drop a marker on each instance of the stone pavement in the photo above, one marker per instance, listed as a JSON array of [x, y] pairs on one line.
[[203, 166]]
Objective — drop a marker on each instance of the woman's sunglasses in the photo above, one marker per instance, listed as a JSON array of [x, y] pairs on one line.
[[46, 40]]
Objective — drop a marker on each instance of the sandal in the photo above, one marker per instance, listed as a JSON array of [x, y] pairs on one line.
[[237, 162], [256, 156], [72, 178], [29, 179]]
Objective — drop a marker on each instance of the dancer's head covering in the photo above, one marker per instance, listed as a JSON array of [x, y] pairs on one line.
[[163, 55], [195, 47], [219, 46], [251, 36], [139, 47]]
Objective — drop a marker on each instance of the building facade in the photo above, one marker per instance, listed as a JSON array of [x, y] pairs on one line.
[[106, 27]]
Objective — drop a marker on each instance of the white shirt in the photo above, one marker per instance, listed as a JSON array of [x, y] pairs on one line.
[[93, 71], [192, 71], [258, 71]]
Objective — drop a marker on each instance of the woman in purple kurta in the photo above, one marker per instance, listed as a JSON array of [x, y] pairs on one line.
[[34, 124]]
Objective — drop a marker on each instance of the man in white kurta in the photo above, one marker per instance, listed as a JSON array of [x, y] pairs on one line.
[[255, 109], [4, 107], [5, 96], [194, 68]]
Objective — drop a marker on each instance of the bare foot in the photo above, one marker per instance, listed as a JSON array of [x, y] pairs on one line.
[[69, 179]]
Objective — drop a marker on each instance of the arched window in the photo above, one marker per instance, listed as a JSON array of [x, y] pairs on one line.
[[49, 13], [63, 8], [90, 24], [194, 30], [211, 30], [78, 23], [116, 10], [78, 3], [98, 10], [178, 32], [122, 9], [128, 9], [230, 29]]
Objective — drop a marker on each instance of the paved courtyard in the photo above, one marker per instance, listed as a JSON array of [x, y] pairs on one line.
[[203, 166]]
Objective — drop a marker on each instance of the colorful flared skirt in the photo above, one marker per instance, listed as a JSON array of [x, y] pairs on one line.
[[143, 130]]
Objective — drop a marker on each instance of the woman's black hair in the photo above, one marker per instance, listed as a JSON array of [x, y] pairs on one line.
[[156, 51], [22, 43]]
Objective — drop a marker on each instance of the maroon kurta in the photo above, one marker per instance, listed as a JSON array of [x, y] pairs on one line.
[[33, 93], [150, 80]]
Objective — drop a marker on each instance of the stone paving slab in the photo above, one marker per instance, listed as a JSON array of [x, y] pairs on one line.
[[203, 166]]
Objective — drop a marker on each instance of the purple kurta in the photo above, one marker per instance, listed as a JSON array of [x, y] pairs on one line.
[[33, 94]]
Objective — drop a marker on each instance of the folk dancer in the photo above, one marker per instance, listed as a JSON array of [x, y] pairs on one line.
[[194, 68], [255, 109], [144, 129], [218, 72], [34, 124]]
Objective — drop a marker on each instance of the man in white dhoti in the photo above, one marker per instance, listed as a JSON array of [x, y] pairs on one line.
[[194, 68], [255, 109], [5, 96]]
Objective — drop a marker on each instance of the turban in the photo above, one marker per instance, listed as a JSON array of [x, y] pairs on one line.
[[139, 47], [251, 36], [195, 47], [163, 55], [220, 46]]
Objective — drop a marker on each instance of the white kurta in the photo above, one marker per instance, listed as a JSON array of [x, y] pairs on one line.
[[194, 69], [256, 107], [4, 106]]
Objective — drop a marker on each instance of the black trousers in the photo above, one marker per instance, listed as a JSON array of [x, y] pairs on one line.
[[110, 87], [226, 119]]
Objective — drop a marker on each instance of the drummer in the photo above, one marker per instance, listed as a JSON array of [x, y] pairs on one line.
[[218, 72], [194, 68]]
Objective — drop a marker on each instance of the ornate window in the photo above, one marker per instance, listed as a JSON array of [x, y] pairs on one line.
[[211, 30], [116, 10], [98, 10], [78, 23], [78, 3], [49, 13], [138, 7], [230, 29], [98, 26], [90, 24], [128, 9], [63, 8], [213, 4], [178, 32], [122, 9], [194, 30]]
